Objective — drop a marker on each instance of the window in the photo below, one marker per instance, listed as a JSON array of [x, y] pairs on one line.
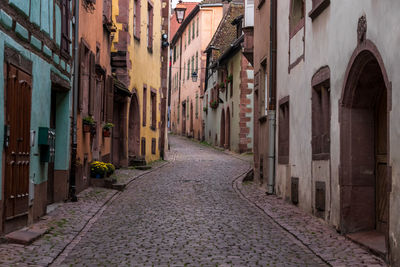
[[197, 105], [189, 37], [184, 70], [153, 146], [197, 29], [144, 105], [283, 136], [174, 54], [184, 38], [296, 19], [321, 115], [153, 113], [193, 27], [188, 69], [136, 19], [143, 146], [149, 26], [192, 65], [65, 40]]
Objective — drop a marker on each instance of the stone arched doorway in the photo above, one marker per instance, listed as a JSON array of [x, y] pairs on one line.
[[222, 130], [134, 129], [364, 144], [228, 129]]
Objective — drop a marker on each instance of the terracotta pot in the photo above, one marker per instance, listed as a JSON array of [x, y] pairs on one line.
[[106, 133], [86, 128]]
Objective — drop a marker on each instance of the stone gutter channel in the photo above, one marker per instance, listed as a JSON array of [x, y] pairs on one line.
[[65, 226]]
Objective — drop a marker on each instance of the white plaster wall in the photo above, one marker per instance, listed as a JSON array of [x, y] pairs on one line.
[[330, 40]]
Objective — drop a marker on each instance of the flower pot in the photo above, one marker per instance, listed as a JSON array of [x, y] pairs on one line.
[[106, 133], [86, 128]]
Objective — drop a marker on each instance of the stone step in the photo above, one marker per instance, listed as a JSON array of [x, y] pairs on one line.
[[26, 236]]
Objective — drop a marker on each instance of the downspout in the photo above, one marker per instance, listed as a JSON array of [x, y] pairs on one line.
[[72, 181], [272, 100]]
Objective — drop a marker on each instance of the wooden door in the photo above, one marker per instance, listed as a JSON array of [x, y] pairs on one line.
[[382, 195], [50, 172], [17, 153]]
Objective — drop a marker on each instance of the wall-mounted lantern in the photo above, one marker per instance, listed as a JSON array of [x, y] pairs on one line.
[[180, 10], [194, 76]]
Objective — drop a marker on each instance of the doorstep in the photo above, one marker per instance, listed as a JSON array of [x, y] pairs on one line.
[[372, 240], [26, 236]]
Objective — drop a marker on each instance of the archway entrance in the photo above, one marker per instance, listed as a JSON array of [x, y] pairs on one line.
[[228, 129], [134, 129], [222, 130], [364, 149]]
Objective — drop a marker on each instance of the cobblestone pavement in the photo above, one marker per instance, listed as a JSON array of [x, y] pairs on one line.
[[319, 237], [188, 214]]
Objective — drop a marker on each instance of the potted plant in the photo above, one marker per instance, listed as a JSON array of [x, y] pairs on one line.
[[222, 86], [88, 124], [107, 129], [110, 169], [214, 104], [98, 169]]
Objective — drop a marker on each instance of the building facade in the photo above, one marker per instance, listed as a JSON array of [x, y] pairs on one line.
[[36, 95], [95, 90], [228, 100], [139, 62], [188, 59], [337, 116]]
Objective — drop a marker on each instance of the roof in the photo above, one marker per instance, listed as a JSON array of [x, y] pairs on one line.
[[174, 23], [191, 15], [225, 34]]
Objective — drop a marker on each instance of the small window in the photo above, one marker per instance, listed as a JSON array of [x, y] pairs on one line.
[[189, 34], [136, 19], [321, 115], [296, 16], [193, 28], [283, 136], [144, 105], [153, 146], [153, 114], [197, 105], [197, 29], [143, 146], [197, 63], [65, 37], [149, 26]]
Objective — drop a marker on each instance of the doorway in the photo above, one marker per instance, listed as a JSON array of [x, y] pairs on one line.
[[134, 128], [183, 118], [222, 130], [228, 129], [18, 94], [364, 150], [50, 171]]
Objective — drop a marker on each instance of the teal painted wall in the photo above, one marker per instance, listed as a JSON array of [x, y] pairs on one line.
[[58, 25], [45, 22], [40, 114]]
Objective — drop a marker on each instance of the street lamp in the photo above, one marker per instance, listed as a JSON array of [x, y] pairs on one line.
[[194, 76], [180, 10]]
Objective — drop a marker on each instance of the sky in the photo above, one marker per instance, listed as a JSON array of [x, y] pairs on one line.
[[174, 2]]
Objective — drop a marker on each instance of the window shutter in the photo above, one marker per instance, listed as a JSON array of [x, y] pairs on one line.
[[110, 99], [81, 75], [92, 84]]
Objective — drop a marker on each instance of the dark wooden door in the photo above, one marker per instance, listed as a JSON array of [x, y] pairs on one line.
[[17, 153], [382, 195], [183, 118], [50, 172]]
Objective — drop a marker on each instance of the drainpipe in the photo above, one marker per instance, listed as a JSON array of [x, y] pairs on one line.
[[72, 180], [271, 100]]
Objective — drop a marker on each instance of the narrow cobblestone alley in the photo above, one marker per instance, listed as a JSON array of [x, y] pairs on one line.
[[187, 213]]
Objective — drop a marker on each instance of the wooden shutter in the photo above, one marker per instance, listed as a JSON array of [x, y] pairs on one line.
[[81, 75], [110, 99], [92, 84]]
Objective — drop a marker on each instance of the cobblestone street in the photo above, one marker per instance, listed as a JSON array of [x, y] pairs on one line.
[[186, 213]]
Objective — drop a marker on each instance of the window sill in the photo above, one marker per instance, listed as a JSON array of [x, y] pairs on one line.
[[318, 8]]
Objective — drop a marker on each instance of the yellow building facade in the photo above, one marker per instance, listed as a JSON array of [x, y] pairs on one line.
[[137, 62]]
